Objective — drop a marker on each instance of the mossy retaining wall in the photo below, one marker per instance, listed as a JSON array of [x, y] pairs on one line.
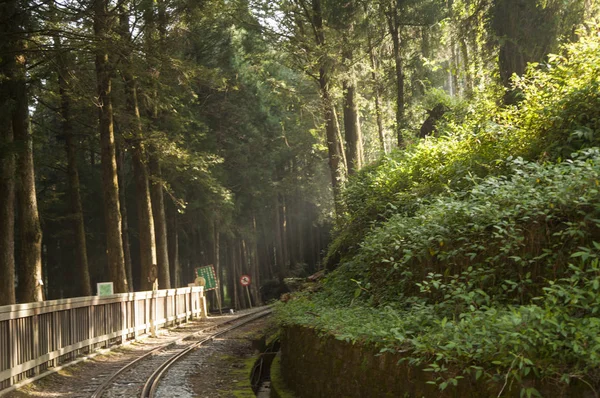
[[321, 366]]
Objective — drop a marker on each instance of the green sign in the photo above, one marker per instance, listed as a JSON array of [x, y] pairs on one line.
[[105, 289], [208, 273]]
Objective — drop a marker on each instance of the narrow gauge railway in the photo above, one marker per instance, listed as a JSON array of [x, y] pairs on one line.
[[141, 375]]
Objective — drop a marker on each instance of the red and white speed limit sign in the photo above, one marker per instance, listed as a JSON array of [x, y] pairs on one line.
[[245, 280]]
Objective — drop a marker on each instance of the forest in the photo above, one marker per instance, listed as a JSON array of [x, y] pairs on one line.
[[437, 160]]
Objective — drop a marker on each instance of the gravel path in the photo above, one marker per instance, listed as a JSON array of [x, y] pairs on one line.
[[222, 368], [81, 380]]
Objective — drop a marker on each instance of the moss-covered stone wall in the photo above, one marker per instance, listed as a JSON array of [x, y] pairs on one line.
[[321, 366]]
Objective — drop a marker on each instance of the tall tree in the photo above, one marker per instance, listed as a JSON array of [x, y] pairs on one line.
[[8, 10], [133, 130], [114, 245], [395, 29], [30, 233], [352, 130], [64, 83]]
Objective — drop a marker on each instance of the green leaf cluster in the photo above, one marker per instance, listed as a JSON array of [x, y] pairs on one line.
[[475, 255]]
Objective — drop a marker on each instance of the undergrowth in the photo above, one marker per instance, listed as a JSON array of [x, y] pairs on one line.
[[476, 253]]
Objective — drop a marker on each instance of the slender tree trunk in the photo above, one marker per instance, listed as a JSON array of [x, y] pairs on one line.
[[354, 146], [334, 144], [377, 93], [30, 232], [394, 28], [124, 216], [7, 174], [110, 187], [283, 231], [217, 257], [81, 258], [454, 70], [467, 67], [138, 154], [257, 273], [279, 258], [145, 218], [160, 221], [173, 246]]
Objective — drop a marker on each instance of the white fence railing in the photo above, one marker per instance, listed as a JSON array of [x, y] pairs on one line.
[[35, 337]]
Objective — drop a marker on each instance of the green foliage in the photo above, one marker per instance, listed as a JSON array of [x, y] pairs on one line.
[[475, 254], [558, 115]]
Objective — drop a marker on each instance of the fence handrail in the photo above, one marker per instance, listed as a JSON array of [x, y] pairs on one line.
[[41, 307], [37, 336]]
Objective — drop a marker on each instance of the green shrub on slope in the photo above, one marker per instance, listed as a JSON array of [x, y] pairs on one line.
[[500, 282], [477, 253], [560, 113]]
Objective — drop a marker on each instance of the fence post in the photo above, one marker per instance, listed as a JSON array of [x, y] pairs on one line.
[[136, 318], [35, 340], [153, 313], [124, 318], [91, 325], [13, 347], [203, 307]]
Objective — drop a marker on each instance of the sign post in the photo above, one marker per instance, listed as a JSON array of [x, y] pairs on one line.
[[153, 278], [245, 281], [207, 276]]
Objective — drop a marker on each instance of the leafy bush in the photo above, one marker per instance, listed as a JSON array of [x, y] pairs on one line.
[[501, 281], [560, 113], [476, 253]]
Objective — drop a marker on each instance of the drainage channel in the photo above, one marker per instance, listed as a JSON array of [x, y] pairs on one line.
[[261, 372]]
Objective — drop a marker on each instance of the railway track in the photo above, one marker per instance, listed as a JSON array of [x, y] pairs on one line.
[[140, 376]]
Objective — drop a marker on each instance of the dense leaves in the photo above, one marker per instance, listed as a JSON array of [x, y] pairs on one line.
[[475, 254]]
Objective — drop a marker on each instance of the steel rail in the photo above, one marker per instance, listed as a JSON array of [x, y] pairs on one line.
[[107, 383], [151, 385]]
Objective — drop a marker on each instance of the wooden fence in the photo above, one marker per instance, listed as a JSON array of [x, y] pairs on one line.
[[35, 337]]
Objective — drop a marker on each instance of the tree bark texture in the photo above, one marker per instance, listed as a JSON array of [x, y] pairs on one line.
[[124, 216], [334, 144], [7, 165], [354, 145], [173, 246], [352, 131], [394, 28], [160, 221], [30, 233], [377, 93], [110, 185], [81, 257]]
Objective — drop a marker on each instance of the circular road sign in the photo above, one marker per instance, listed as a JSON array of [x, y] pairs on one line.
[[245, 280]]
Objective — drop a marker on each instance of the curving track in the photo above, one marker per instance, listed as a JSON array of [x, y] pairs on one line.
[[140, 376]]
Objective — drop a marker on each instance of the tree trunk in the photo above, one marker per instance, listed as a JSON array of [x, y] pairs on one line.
[[160, 222], [466, 67], [335, 147], [257, 274], [173, 247], [283, 231], [110, 186], [140, 172], [454, 69], [125, 217], [81, 258], [7, 174], [217, 257], [354, 145], [394, 28], [30, 232], [377, 93]]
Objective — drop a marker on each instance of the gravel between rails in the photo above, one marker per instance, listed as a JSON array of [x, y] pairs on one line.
[[218, 368], [81, 380]]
